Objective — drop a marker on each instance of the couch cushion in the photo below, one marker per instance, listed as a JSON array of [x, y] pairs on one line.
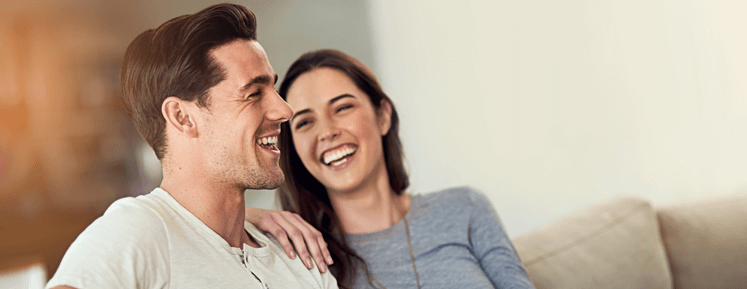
[[610, 245], [707, 242]]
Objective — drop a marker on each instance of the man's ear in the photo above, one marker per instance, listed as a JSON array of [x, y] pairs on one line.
[[385, 117], [178, 116]]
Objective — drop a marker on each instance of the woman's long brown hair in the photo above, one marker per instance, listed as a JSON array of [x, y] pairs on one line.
[[302, 194]]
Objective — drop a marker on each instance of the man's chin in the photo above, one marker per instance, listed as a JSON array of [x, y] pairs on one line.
[[267, 182]]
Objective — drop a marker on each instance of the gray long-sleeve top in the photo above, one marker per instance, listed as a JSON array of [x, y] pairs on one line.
[[458, 242]]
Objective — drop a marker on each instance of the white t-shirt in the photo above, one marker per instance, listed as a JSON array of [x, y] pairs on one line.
[[153, 242]]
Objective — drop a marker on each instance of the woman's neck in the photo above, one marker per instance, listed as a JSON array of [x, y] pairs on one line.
[[371, 208]]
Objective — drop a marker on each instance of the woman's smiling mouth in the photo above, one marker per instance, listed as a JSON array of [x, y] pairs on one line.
[[338, 155]]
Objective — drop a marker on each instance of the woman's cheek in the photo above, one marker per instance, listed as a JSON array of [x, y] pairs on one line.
[[305, 152]]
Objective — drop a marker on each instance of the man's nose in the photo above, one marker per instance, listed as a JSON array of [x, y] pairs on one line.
[[279, 110]]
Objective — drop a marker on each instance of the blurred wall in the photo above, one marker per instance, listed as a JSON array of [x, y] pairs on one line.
[[65, 142], [63, 138], [550, 106]]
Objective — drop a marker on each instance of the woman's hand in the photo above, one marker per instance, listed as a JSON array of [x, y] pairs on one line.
[[286, 225]]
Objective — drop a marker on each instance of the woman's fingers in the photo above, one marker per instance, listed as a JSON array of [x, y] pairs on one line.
[[303, 237], [292, 231], [295, 235], [314, 241], [264, 221], [316, 237]]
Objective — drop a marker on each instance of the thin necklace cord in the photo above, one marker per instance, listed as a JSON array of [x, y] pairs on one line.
[[412, 255]]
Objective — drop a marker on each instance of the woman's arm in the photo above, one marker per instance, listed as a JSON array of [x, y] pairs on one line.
[[493, 248], [289, 227]]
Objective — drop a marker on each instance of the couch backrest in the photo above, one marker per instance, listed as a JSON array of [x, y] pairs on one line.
[[610, 245], [706, 242]]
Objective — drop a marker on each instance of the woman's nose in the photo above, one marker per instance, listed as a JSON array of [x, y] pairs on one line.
[[329, 131]]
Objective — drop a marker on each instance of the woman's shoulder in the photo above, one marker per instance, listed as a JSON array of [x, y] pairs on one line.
[[464, 196]]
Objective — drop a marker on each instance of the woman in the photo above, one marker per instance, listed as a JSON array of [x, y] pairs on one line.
[[342, 160]]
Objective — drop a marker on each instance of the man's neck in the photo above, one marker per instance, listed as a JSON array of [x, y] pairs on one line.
[[370, 209], [220, 207]]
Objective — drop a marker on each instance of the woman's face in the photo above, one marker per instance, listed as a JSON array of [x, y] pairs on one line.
[[336, 130]]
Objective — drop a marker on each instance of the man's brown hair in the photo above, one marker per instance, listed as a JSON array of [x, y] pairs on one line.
[[175, 60]]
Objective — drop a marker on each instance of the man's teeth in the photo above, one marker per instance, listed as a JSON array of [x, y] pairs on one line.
[[336, 155], [268, 140]]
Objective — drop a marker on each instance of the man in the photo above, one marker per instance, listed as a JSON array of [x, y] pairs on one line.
[[200, 90]]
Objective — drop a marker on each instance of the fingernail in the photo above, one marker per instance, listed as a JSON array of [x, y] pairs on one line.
[[330, 261], [293, 255], [323, 268], [308, 264]]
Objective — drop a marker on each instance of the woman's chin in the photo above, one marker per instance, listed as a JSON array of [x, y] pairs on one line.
[[341, 186]]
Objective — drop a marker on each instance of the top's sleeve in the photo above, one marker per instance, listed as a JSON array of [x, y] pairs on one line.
[[125, 248], [493, 248]]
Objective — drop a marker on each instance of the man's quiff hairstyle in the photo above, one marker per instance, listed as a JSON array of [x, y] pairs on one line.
[[175, 59]]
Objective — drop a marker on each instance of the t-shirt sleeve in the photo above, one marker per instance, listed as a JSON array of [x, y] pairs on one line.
[[323, 280], [125, 248], [493, 248], [328, 281]]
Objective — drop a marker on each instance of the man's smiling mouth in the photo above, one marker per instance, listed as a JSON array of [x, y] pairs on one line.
[[269, 142]]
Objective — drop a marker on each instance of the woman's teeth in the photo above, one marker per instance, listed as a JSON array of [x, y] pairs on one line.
[[337, 155], [337, 162]]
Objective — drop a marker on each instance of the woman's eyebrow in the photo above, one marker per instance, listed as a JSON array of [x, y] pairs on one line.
[[299, 113], [331, 101]]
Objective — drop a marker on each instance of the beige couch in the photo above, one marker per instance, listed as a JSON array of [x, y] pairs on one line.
[[625, 243]]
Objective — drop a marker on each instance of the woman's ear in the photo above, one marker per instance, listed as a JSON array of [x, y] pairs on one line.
[[385, 117], [177, 114]]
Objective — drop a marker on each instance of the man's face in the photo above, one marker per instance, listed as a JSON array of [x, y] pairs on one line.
[[242, 122]]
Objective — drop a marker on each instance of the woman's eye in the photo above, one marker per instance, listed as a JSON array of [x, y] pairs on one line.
[[344, 107], [301, 124]]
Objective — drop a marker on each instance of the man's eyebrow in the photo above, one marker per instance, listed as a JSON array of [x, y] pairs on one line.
[[262, 79]]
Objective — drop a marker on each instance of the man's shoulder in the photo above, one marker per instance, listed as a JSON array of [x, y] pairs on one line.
[[130, 223], [136, 222], [136, 212], [121, 247]]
